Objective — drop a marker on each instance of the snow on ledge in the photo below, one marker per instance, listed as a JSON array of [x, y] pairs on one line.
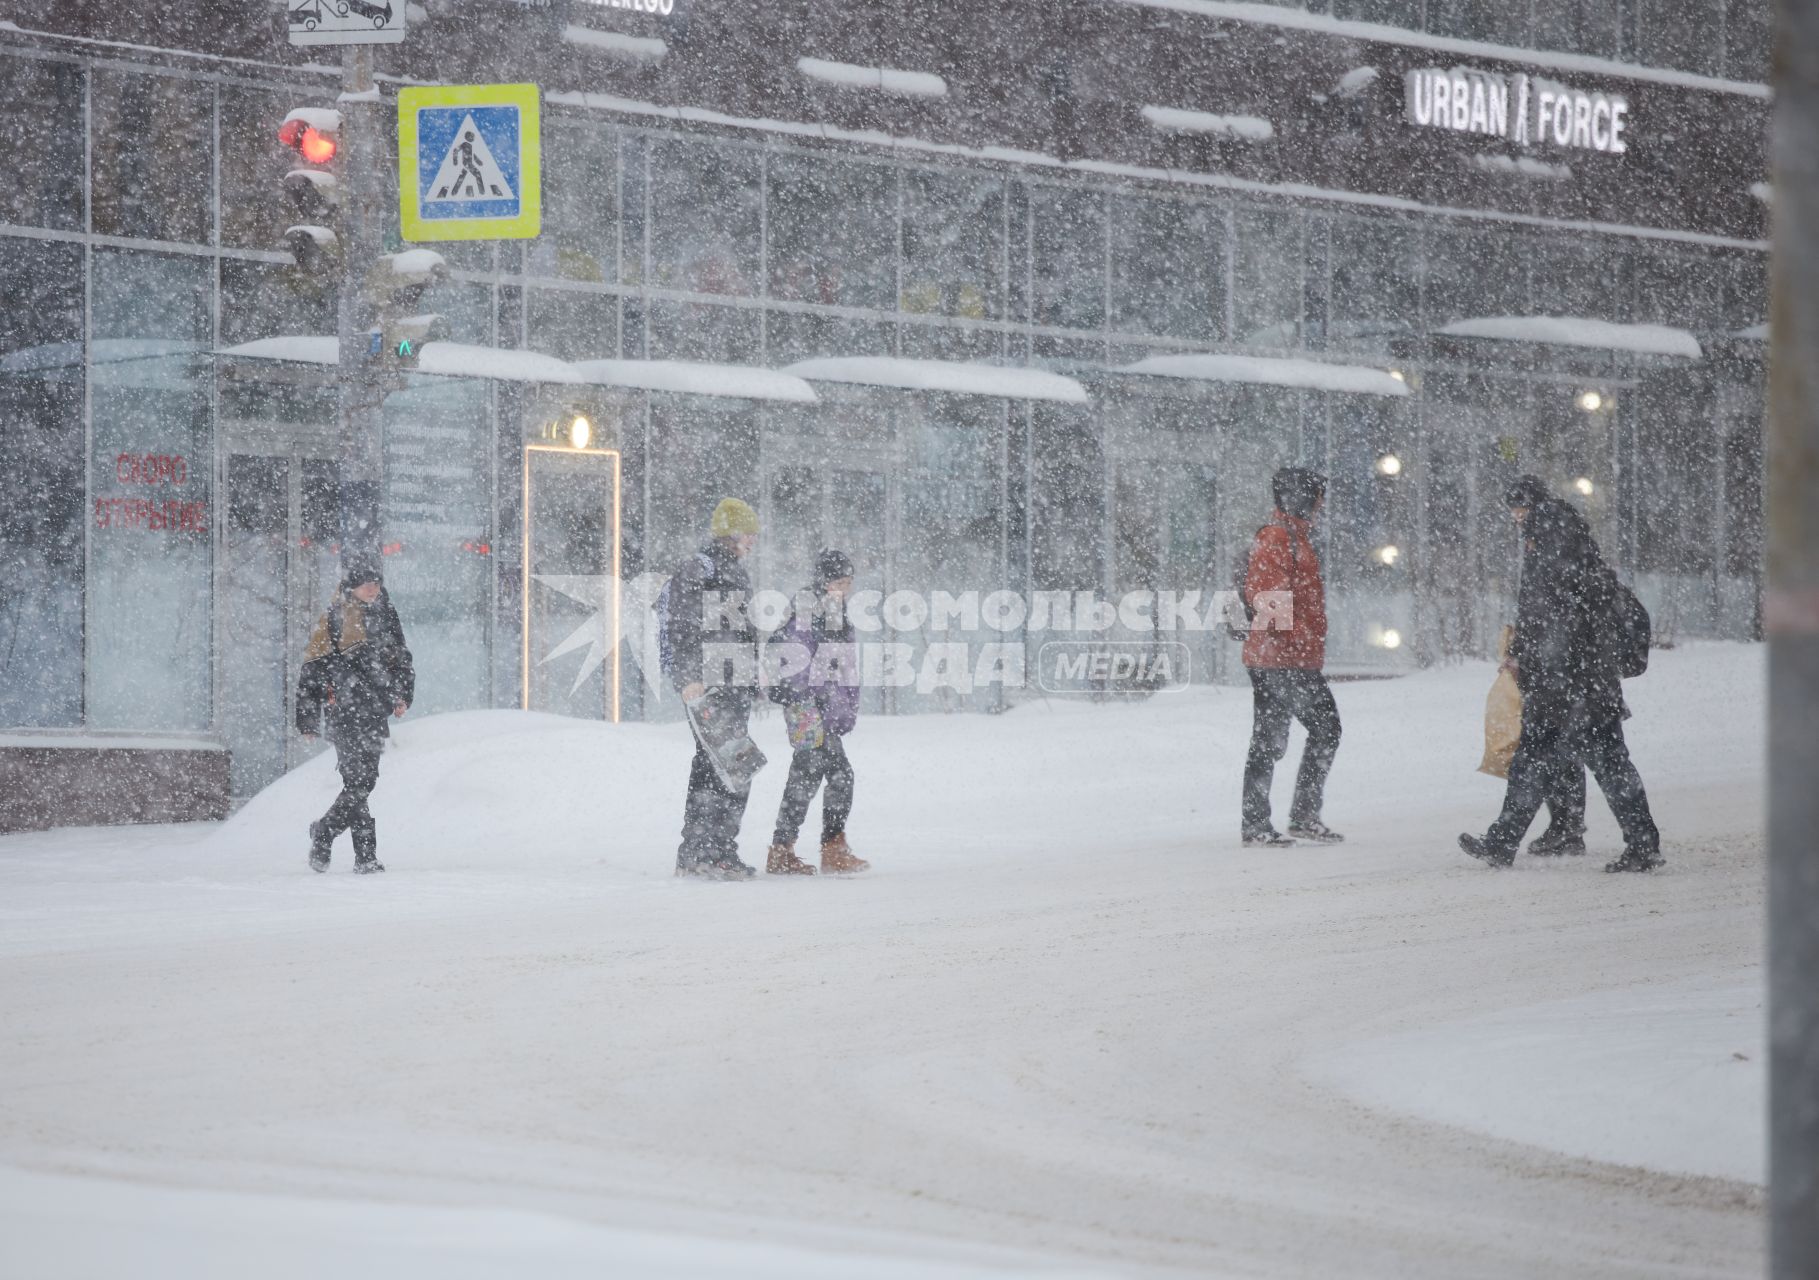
[[1576, 331], [1763, 191], [1273, 371], [943, 375], [1528, 166], [1176, 120], [1756, 332], [300, 348], [465, 360], [736, 381], [29, 741], [907, 84], [616, 43]]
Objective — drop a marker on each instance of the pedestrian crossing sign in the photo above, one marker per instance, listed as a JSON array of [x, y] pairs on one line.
[[469, 162]]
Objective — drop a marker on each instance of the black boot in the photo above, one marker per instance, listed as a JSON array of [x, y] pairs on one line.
[[1637, 858], [366, 853], [320, 845], [1485, 851], [1266, 838], [1555, 844], [1315, 832]]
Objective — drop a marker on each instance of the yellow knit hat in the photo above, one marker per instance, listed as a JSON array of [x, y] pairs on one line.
[[733, 517]]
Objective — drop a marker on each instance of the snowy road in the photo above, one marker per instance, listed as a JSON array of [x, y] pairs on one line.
[[1067, 1025]]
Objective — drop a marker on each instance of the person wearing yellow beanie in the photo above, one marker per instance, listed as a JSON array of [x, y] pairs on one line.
[[712, 583], [733, 518]]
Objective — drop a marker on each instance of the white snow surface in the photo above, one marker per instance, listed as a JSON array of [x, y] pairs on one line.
[[1179, 120], [321, 119], [299, 348], [1275, 371], [1578, 331], [848, 75], [942, 375], [695, 378], [468, 360], [1065, 1022]]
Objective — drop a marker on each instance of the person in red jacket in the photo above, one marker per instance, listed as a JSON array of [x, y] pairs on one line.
[[1284, 653]]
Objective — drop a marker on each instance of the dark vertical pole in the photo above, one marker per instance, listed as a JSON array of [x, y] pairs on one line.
[[1791, 612], [361, 390]]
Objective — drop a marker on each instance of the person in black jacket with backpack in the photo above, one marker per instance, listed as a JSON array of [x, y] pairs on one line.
[[1566, 653], [356, 673]]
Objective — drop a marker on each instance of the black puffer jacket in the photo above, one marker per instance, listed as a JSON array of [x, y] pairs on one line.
[[713, 579], [1563, 646], [356, 670]]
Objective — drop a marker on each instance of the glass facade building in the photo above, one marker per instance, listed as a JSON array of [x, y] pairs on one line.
[[1233, 236]]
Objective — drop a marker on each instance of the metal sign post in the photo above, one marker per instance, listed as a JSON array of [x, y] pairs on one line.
[[1791, 614]]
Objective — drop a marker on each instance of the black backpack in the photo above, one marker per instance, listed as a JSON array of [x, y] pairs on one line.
[[1631, 630]]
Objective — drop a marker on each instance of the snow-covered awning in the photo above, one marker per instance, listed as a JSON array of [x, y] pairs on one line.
[[1755, 333], [145, 363], [692, 378], [1009, 382], [848, 75], [616, 43], [1179, 120], [444, 359], [1275, 371], [1576, 331]]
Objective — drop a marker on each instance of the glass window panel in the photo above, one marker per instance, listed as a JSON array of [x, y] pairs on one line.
[[692, 331], [1067, 501], [833, 232], [437, 516], [254, 209], [262, 300], [1068, 266], [1474, 275], [41, 120], [1577, 26], [1684, 34], [705, 215], [1267, 307], [1577, 280], [580, 239], [1682, 290], [797, 336], [1749, 33], [709, 451], [41, 522], [1392, 13], [573, 326], [1168, 268], [1374, 285], [151, 471], [152, 140], [1496, 21], [1746, 292], [953, 245]]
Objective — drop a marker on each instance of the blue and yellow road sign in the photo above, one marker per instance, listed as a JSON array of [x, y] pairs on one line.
[[470, 162]]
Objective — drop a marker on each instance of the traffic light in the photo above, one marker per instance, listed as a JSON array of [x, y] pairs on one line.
[[313, 187], [395, 285]]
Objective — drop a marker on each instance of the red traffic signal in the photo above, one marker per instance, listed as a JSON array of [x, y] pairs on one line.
[[308, 141]]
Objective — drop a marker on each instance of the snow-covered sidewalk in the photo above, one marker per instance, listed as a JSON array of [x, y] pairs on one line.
[[1066, 1025]]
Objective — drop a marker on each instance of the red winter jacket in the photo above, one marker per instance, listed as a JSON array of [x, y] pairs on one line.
[[1283, 560]]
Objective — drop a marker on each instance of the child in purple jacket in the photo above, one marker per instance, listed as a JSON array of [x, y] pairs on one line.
[[820, 707]]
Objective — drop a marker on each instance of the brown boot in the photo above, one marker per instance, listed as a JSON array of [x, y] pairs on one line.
[[782, 861], [837, 858]]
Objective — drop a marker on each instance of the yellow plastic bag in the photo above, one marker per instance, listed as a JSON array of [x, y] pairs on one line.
[[1502, 718]]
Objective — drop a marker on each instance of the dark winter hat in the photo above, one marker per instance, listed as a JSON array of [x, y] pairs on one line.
[[1296, 490], [359, 569], [1526, 491], [831, 565]]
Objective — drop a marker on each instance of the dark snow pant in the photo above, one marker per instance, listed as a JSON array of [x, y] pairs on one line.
[[1551, 751], [1566, 799], [1279, 695], [357, 759], [712, 814], [807, 769]]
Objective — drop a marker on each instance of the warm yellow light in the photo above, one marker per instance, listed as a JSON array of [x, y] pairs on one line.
[[1389, 465], [1585, 486], [1389, 554], [1590, 401], [580, 432], [1398, 375], [1392, 638]]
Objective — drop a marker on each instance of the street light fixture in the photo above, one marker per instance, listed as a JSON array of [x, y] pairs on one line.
[[1389, 465]]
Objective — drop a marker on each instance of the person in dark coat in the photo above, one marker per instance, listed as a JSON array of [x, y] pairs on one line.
[[1284, 654], [708, 612], [821, 706], [356, 674], [1572, 695]]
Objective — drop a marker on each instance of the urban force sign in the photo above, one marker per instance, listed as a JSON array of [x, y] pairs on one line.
[[1523, 109]]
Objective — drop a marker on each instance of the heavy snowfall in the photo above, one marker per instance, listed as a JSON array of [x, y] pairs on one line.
[[1066, 1025]]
